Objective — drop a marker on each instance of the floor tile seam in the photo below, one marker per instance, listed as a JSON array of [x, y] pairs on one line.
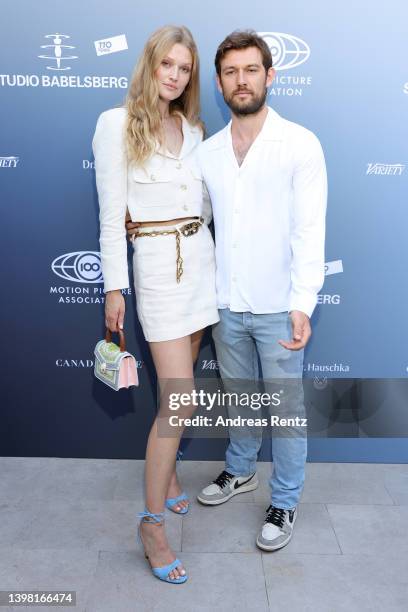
[[334, 530], [393, 498]]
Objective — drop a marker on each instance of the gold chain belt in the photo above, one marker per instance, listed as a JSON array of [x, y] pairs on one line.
[[185, 230]]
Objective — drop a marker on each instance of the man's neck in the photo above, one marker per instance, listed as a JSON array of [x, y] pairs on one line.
[[247, 127]]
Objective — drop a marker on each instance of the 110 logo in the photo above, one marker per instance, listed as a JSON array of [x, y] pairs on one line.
[[104, 45]]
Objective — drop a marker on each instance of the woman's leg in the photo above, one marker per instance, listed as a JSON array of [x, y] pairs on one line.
[[173, 362], [195, 343], [174, 486]]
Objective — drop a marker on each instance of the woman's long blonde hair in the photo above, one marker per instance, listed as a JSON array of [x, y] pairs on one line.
[[144, 129]]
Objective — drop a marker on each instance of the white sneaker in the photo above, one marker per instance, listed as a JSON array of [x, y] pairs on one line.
[[225, 486], [277, 529]]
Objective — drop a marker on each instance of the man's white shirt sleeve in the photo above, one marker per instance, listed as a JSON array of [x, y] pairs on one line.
[[308, 225]]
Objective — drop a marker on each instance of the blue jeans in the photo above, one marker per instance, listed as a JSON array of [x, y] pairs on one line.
[[240, 337]]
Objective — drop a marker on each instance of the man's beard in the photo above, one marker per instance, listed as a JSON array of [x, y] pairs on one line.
[[246, 108]]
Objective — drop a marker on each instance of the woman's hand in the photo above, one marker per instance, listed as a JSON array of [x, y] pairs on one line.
[[114, 310]]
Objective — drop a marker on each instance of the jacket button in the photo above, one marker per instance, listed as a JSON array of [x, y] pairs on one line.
[[183, 187], [185, 207], [152, 177], [179, 166]]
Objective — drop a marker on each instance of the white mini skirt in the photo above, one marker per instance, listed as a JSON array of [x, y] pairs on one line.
[[168, 309]]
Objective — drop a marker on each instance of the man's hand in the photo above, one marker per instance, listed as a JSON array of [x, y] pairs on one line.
[[301, 331], [131, 227]]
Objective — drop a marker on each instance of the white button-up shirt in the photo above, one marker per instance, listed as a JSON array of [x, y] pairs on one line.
[[269, 217]]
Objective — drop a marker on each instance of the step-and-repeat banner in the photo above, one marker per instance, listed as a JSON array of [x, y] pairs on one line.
[[341, 72]]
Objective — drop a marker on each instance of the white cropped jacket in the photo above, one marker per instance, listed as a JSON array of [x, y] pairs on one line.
[[166, 187]]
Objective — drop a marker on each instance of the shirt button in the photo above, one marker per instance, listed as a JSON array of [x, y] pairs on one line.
[[234, 246], [234, 278], [152, 177], [183, 187], [236, 211], [185, 207], [179, 166]]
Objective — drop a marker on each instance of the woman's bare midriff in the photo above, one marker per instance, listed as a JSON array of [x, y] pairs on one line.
[[170, 222]]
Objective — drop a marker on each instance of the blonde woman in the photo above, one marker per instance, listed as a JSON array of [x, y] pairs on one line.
[[145, 161]]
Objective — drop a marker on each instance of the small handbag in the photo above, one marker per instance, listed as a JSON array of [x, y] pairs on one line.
[[113, 364]]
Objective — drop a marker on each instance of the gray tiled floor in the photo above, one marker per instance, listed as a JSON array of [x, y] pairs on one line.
[[71, 524]]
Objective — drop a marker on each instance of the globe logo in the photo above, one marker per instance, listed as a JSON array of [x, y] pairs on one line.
[[287, 50], [80, 267]]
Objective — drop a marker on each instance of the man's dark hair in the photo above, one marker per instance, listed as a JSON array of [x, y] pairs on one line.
[[242, 39]]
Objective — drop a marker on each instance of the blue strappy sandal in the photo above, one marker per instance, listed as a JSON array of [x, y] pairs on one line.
[[161, 572], [171, 501]]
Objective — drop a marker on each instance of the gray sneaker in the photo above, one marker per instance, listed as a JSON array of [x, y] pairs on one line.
[[277, 529], [225, 486]]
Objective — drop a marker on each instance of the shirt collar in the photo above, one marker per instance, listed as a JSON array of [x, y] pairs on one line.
[[272, 128], [271, 131]]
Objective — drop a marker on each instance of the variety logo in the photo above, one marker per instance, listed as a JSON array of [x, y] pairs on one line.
[[288, 51], [58, 58], [9, 162], [333, 267], [81, 267], [385, 169], [209, 364], [111, 45], [405, 88]]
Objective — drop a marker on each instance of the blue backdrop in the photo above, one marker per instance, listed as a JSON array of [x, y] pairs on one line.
[[341, 71]]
